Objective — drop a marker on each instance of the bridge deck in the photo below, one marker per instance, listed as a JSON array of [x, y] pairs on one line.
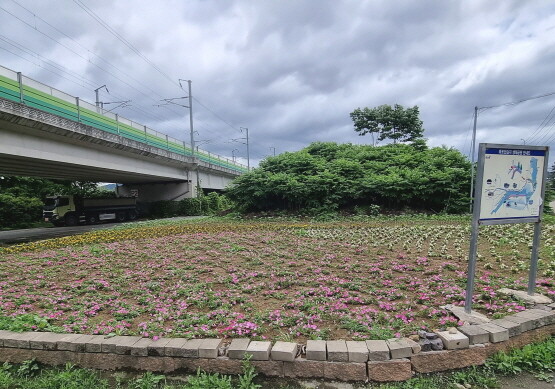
[[17, 88]]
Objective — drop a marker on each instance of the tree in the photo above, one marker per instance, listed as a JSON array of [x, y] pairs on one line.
[[397, 123], [42, 187]]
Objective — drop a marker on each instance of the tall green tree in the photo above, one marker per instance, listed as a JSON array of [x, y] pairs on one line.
[[396, 123]]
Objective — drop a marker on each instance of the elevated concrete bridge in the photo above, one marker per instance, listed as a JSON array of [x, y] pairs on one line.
[[44, 140]]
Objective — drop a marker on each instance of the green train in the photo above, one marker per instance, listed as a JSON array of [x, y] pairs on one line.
[[15, 87]]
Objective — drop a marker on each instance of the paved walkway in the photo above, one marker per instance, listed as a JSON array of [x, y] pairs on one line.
[[33, 234]]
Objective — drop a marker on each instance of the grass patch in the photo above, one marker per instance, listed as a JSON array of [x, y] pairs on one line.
[[536, 358], [29, 375]]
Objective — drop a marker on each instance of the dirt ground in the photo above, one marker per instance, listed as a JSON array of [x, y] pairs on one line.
[[525, 380]]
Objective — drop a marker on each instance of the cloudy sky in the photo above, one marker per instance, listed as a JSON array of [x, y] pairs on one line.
[[291, 71]]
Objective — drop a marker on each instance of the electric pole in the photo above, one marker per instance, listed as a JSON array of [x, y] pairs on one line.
[[248, 155], [98, 102], [191, 129], [472, 151]]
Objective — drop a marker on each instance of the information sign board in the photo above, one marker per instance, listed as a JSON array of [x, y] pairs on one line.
[[511, 182], [510, 187]]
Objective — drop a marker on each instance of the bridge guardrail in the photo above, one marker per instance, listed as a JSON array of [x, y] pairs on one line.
[[19, 88]]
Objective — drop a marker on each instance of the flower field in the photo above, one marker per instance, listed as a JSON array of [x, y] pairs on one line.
[[266, 280]]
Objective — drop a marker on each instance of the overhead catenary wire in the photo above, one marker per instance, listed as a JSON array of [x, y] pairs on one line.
[[145, 58], [517, 101], [47, 62], [61, 71], [83, 82], [538, 132], [216, 115], [122, 39], [548, 136], [512, 103], [550, 140], [88, 50], [80, 56]]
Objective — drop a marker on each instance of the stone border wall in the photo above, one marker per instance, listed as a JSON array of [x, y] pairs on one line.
[[374, 360]]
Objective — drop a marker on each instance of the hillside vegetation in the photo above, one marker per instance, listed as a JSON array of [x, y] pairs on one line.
[[330, 176]]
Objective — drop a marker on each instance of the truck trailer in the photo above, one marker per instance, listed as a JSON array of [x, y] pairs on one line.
[[72, 210]]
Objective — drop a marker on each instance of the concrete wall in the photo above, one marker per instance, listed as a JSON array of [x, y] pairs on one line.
[[147, 193], [213, 181], [21, 152]]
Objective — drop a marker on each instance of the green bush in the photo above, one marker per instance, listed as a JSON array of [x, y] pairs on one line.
[[326, 177], [190, 207], [19, 212], [164, 208], [210, 204]]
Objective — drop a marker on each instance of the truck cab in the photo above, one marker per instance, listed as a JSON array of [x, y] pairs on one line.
[[56, 207]]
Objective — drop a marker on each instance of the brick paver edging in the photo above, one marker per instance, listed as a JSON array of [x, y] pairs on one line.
[[375, 360]]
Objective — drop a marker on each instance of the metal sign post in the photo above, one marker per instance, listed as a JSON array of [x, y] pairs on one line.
[[510, 188]]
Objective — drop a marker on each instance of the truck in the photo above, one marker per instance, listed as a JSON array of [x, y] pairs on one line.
[[71, 210]]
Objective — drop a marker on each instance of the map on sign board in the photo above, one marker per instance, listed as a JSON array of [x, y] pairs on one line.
[[512, 183]]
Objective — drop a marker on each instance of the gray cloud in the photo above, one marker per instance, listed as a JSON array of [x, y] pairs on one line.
[[292, 71]]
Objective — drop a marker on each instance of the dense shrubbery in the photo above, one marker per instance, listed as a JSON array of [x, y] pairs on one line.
[[328, 176], [19, 211], [209, 204]]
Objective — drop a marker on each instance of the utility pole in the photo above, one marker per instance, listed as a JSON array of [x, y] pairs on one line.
[[247, 143], [472, 151], [191, 129], [273, 148], [190, 97], [191, 119], [98, 102], [248, 155], [233, 154]]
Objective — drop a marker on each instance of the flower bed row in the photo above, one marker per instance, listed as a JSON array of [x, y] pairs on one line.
[[289, 282]]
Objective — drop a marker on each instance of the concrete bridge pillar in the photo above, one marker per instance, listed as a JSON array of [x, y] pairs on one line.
[[151, 192]]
